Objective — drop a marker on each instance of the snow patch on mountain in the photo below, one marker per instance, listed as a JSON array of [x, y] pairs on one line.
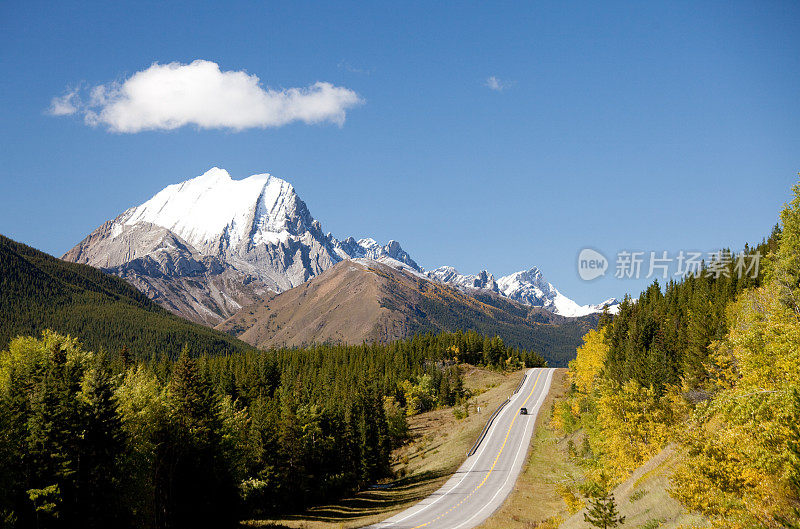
[[233, 240], [369, 249], [448, 274], [527, 287]]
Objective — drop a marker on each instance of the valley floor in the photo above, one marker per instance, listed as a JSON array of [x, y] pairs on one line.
[[438, 445]]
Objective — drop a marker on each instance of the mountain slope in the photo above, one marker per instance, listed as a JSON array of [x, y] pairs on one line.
[[364, 300], [207, 246], [527, 287], [38, 291]]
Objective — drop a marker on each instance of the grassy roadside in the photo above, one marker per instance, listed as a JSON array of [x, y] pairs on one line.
[[535, 501], [438, 445], [644, 499]]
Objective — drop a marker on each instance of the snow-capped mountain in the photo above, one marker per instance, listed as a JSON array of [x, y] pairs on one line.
[[527, 287], [209, 245], [611, 303], [449, 275], [369, 249], [206, 247], [530, 287]]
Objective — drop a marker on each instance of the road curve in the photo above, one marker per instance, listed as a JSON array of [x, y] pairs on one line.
[[483, 482]]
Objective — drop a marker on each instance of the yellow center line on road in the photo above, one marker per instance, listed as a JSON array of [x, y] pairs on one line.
[[497, 458]]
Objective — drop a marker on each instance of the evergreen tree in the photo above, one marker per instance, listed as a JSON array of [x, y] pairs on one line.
[[602, 510], [101, 447], [198, 488]]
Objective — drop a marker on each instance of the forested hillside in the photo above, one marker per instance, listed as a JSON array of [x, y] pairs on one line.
[[358, 301], [204, 441], [712, 364], [38, 291]]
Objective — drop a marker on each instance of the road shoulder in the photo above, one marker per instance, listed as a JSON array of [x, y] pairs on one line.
[[438, 447], [535, 500]]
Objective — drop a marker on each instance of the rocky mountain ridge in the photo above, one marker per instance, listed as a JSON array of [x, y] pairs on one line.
[[208, 246]]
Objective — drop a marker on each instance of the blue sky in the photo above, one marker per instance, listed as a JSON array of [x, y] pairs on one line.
[[650, 126]]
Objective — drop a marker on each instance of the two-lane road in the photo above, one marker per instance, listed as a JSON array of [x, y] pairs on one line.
[[486, 478]]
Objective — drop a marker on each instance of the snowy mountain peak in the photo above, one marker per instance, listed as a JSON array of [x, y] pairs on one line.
[[249, 220], [531, 288], [532, 276], [448, 274], [486, 281], [212, 176], [214, 209], [368, 248], [209, 244], [611, 303], [528, 287], [257, 226]]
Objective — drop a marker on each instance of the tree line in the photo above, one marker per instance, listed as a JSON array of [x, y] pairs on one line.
[[93, 440], [711, 363], [38, 291]]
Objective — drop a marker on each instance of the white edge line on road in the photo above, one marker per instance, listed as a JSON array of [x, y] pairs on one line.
[[477, 457], [516, 457]]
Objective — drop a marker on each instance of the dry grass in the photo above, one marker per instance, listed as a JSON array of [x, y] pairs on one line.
[[535, 502], [438, 446], [644, 499]]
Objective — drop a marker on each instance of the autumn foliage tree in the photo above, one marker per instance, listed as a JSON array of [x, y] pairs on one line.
[[741, 462]]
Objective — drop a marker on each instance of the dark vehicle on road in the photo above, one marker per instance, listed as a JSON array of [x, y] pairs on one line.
[[523, 411]]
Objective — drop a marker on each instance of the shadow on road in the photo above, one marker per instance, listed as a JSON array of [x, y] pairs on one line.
[[374, 501]]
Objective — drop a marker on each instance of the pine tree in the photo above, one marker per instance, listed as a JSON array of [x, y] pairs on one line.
[[602, 511], [125, 357], [101, 446], [699, 332], [198, 489]]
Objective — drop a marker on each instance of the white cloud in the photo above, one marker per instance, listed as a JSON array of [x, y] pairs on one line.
[[496, 84], [65, 105], [170, 96]]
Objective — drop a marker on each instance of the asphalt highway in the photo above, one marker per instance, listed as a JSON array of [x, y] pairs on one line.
[[486, 478]]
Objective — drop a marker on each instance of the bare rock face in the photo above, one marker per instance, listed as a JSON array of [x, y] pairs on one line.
[[367, 300], [210, 245], [206, 247], [447, 274]]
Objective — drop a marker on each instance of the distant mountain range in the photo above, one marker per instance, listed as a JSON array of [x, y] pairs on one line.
[[365, 300], [207, 247], [527, 287]]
